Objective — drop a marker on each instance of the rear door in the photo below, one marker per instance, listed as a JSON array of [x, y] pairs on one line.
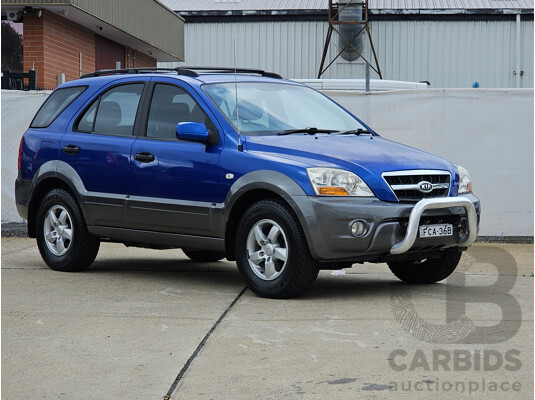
[[174, 184], [98, 149]]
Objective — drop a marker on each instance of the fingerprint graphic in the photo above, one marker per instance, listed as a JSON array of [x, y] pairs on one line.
[[406, 314]]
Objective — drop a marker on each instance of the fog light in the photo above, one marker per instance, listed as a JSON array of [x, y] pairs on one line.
[[359, 228]]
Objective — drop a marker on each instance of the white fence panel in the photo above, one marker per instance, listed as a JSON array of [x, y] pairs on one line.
[[18, 109]]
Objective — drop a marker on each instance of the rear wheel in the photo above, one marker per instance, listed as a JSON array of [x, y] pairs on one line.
[[272, 252], [62, 236], [204, 255], [426, 271]]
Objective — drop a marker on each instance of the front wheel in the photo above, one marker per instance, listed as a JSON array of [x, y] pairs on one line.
[[62, 236], [272, 252], [427, 271]]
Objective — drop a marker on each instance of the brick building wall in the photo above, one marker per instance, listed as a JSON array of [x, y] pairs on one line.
[[33, 46], [141, 60], [53, 45]]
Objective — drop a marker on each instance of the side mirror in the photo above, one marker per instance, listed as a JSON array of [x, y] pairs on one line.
[[192, 131]]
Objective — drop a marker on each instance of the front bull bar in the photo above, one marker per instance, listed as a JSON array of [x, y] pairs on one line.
[[428, 204]]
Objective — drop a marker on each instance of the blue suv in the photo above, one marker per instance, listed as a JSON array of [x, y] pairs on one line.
[[239, 164]]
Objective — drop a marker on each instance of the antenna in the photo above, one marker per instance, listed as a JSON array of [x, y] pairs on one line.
[[240, 146]]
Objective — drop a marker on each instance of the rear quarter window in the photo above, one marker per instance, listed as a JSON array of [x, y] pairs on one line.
[[58, 101]]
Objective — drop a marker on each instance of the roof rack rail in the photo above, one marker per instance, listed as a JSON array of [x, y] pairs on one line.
[[227, 70], [128, 71], [186, 71]]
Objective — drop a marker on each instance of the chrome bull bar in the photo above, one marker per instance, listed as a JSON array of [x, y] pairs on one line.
[[428, 204]]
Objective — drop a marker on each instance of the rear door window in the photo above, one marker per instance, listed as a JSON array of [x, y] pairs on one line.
[[58, 101], [114, 112]]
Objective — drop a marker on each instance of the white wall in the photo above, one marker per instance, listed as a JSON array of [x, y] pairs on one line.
[[489, 132]]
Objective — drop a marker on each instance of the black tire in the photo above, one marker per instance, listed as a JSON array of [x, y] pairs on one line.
[[284, 267], [75, 254], [204, 255], [428, 271]]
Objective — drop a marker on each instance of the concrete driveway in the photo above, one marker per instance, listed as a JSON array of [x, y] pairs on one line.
[[144, 324]]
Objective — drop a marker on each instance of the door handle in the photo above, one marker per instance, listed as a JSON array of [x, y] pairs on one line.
[[144, 157], [70, 149]]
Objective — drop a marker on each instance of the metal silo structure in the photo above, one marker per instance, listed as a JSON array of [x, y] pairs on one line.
[[349, 19]]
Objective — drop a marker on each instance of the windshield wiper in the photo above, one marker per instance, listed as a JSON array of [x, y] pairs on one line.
[[310, 131], [356, 132]]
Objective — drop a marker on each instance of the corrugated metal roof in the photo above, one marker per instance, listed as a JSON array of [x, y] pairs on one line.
[[242, 5], [449, 4], [231, 5]]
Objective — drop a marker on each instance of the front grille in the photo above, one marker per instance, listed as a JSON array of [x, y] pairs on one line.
[[453, 219], [406, 185]]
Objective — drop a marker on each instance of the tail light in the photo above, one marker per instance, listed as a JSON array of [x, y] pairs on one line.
[[20, 152]]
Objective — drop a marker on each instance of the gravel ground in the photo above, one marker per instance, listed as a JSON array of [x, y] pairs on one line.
[[14, 229]]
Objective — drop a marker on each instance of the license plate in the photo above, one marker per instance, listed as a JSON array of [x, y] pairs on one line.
[[427, 231]]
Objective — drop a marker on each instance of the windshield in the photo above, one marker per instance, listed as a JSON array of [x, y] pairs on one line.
[[272, 108]]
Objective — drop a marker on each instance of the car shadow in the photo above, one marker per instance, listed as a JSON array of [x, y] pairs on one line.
[[350, 286], [226, 273], [347, 287], [161, 264], [217, 275]]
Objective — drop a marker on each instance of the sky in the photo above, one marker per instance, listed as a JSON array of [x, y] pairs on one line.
[[16, 26]]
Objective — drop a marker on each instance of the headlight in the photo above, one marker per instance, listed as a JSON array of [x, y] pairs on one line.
[[465, 184], [337, 182]]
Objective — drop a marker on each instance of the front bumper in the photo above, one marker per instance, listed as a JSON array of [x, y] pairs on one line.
[[393, 227]]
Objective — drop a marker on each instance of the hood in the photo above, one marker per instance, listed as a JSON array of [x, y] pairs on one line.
[[367, 156]]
